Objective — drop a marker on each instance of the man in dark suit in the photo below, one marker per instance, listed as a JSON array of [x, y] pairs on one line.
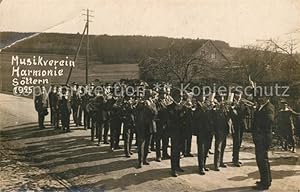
[[75, 103], [262, 137], [65, 108], [53, 101], [201, 128], [220, 127], [175, 130], [161, 138], [115, 122], [188, 131], [41, 104], [128, 124], [145, 126]]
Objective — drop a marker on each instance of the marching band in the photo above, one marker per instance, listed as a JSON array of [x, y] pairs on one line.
[[160, 117]]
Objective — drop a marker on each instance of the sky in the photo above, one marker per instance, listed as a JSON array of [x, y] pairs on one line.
[[238, 22]]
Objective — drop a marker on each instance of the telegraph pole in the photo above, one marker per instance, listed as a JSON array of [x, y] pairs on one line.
[[87, 47], [88, 20], [85, 33]]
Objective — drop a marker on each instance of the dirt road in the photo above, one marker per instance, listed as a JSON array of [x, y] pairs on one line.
[[70, 161]]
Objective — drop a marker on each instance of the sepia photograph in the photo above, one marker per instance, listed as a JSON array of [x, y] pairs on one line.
[[150, 95]]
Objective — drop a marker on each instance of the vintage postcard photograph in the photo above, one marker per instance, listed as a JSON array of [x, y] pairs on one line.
[[150, 95]]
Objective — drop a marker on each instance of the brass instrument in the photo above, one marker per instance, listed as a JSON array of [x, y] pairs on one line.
[[247, 102]]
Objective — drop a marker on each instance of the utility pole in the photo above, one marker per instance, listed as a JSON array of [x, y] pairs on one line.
[[85, 33], [88, 20], [87, 47]]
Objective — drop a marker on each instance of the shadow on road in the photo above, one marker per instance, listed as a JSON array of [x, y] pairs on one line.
[[73, 154]]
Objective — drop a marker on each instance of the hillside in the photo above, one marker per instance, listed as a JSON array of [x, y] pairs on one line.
[[104, 48]]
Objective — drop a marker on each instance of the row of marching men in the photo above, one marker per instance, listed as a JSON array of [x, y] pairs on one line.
[[164, 115], [159, 116]]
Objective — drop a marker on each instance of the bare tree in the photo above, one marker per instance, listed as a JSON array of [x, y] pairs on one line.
[[175, 65], [270, 61]]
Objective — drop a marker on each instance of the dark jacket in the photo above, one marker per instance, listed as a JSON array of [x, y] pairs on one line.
[[53, 101], [162, 114], [39, 104], [144, 119], [200, 123], [219, 122], [95, 108], [262, 124], [174, 121], [64, 104]]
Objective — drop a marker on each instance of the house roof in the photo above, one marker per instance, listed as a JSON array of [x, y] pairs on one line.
[[228, 53]]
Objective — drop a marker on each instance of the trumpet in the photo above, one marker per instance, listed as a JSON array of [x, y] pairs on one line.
[[247, 102]]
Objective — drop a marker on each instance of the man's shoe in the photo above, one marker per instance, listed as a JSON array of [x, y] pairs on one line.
[[118, 147], [261, 187], [223, 165], [206, 169], [237, 164], [188, 155], [158, 159], [260, 183], [146, 163], [179, 170], [201, 172], [174, 174], [127, 156], [216, 169], [139, 166], [167, 156]]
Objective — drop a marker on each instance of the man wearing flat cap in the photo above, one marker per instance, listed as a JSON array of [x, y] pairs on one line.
[[262, 137]]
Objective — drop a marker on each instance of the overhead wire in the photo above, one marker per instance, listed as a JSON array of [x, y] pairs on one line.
[[43, 31]]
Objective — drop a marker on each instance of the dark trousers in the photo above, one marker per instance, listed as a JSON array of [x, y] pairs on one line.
[[55, 119], [115, 132], [99, 130], [202, 147], [176, 144], [188, 143], [65, 120], [41, 119], [243, 128], [289, 138], [236, 139], [86, 119], [220, 144], [143, 147], [93, 128], [75, 113], [128, 136], [161, 141], [79, 115], [52, 116], [209, 141], [106, 130], [152, 141], [262, 160]]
